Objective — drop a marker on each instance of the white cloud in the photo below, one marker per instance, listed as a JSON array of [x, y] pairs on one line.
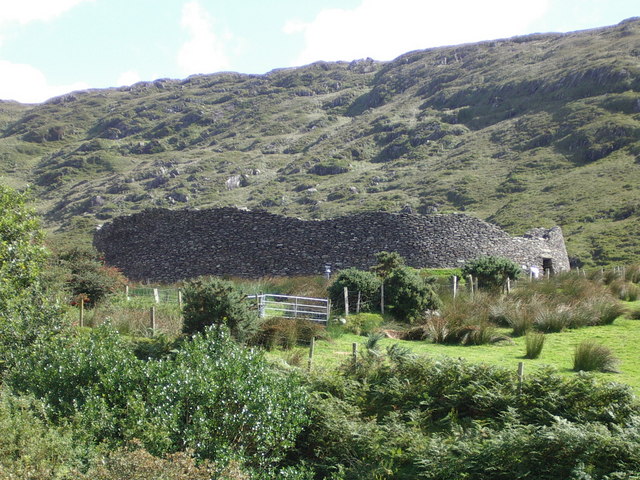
[[128, 78], [383, 30], [26, 11], [27, 84], [204, 52]]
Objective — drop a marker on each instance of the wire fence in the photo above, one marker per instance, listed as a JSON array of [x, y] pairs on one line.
[[158, 295]]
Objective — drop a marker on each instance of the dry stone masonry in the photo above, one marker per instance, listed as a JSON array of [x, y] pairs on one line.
[[170, 245]]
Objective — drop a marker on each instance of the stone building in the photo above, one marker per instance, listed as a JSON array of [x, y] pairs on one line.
[[170, 245]]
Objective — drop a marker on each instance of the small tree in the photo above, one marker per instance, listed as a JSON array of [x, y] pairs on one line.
[[25, 311], [213, 301], [356, 281], [387, 262], [492, 272]]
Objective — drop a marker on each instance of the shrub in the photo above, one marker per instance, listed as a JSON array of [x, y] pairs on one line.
[[409, 295], [387, 263], [491, 272], [213, 301], [213, 396], [560, 450], [590, 355], [26, 313], [135, 463], [534, 342], [32, 448], [87, 276], [363, 323], [224, 401], [355, 281]]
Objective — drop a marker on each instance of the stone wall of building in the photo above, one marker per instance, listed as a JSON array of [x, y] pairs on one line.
[[170, 245]]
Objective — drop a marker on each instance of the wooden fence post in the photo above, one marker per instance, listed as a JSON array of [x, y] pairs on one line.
[[354, 352], [508, 285], [346, 301], [358, 302], [311, 349], [520, 377], [382, 297], [156, 295], [471, 284], [126, 292], [152, 315], [455, 286], [180, 299], [82, 311]]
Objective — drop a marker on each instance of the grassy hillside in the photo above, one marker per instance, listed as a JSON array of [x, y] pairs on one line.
[[525, 132]]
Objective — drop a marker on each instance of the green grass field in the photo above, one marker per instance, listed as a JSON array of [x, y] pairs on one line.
[[622, 337]]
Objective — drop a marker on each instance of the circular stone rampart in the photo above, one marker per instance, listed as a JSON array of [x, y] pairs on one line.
[[170, 245]]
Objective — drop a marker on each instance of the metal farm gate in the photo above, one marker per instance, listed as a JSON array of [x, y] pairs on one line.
[[287, 306]]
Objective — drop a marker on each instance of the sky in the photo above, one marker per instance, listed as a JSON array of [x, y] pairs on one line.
[[52, 47]]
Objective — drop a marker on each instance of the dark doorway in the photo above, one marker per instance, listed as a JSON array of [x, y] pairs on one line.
[[547, 266]]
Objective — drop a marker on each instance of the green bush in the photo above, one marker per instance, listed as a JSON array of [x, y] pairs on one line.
[[363, 323], [408, 295], [213, 301], [224, 401], [212, 396], [387, 263], [32, 448], [366, 283], [590, 355], [534, 342], [560, 450], [26, 312], [492, 272], [86, 276], [414, 417]]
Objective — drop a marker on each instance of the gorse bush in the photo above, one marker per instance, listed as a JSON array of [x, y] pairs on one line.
[[408, 295], [590, 355], [491, 272], [213, 301]]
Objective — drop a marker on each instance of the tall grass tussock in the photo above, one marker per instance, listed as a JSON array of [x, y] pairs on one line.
[[593, 356]]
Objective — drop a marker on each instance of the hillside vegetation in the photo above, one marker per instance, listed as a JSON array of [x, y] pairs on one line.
[[523, 132]]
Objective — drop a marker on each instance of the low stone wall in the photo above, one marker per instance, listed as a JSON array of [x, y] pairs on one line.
[[171, 245]]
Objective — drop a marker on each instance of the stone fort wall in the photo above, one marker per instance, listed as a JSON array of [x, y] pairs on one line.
[[170, 245]]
